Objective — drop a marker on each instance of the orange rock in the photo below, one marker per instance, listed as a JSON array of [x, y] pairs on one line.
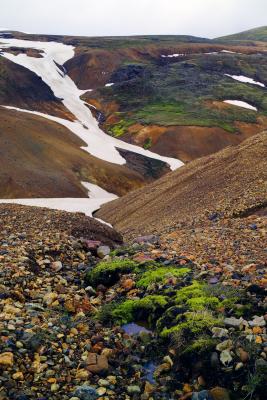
[[187, 388], [97, 363], [51, 380], [257, 330], [128, 284], [258, 339], [6, 359]]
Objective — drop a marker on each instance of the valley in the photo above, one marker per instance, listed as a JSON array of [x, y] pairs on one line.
[[133, 205]]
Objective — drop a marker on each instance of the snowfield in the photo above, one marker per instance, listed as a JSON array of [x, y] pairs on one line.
[[245, 79], [87, 206], [240, 103]]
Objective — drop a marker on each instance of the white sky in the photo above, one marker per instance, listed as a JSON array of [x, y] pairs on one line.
[[206, 18]]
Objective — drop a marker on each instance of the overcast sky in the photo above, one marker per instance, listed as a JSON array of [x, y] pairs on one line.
[[206, 18]]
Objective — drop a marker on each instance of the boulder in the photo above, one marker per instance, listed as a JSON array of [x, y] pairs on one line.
[[147, 239], [234, 322], [103, 251], [6, 359], [97, 363], [219, 393], [86, 393]]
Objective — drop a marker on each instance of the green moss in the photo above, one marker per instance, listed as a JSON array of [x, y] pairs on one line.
[[120, 127], [193, 291], [197, 297], [242, 310], [108, 273], [160, 275], [194, 323], [201, 345], [123, 313], [147, 143], [201, 303], [130, 310]]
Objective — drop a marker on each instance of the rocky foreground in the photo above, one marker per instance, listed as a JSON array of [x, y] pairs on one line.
[[83, 316]]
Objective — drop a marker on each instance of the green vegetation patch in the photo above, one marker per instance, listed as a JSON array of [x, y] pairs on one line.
[[194, 323], [195, 297], [120, 127], [148, 307], [108, 273], [161, 275]]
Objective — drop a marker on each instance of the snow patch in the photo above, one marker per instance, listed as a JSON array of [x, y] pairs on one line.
[[109, 84], [88, 206], [240, 103], [228, 51], [245, 79], [173, 55]]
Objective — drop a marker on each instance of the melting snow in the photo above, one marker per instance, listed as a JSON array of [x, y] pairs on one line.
[[245, 79], [228, 51], [87, 206], [109, 84], [173, 55], [240, 103]]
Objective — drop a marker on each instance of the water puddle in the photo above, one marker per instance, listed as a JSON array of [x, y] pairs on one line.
[[134, 329], [150, 368]]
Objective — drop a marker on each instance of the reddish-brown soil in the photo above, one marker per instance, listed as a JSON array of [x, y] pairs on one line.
[[231, 182], [21, 88], [40, 158]]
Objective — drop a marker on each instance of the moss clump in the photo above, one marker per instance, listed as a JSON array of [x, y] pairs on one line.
[[196, 297], [149, 307], [147, 144], [194, 323], [201, 345], [201, 303], [160, 275], [108, 273], [120, 127]]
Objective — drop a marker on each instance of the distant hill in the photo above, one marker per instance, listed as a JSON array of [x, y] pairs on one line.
[[259, 34]]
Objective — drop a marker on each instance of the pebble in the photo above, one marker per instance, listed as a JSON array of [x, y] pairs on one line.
[[6, 359], [133, 389]]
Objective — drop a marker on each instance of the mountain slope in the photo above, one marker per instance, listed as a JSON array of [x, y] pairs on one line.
[[33, 77], [40, 158], [20, 87], [170, 96], [230, 182], [257, 34]]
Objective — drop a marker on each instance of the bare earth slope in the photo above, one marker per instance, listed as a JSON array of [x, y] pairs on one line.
[[40, 158], [231, 182], [22, 88]]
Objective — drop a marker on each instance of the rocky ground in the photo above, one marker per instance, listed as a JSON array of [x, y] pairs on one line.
[[83, 316]]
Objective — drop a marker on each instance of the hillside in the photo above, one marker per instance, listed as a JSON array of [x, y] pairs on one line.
[[229, 183], [169, 97], [256, 34], [51, 162]]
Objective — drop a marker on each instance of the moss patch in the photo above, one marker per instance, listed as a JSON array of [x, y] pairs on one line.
[[108, 273], [194, 323], [148, 307], [161, 275]]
